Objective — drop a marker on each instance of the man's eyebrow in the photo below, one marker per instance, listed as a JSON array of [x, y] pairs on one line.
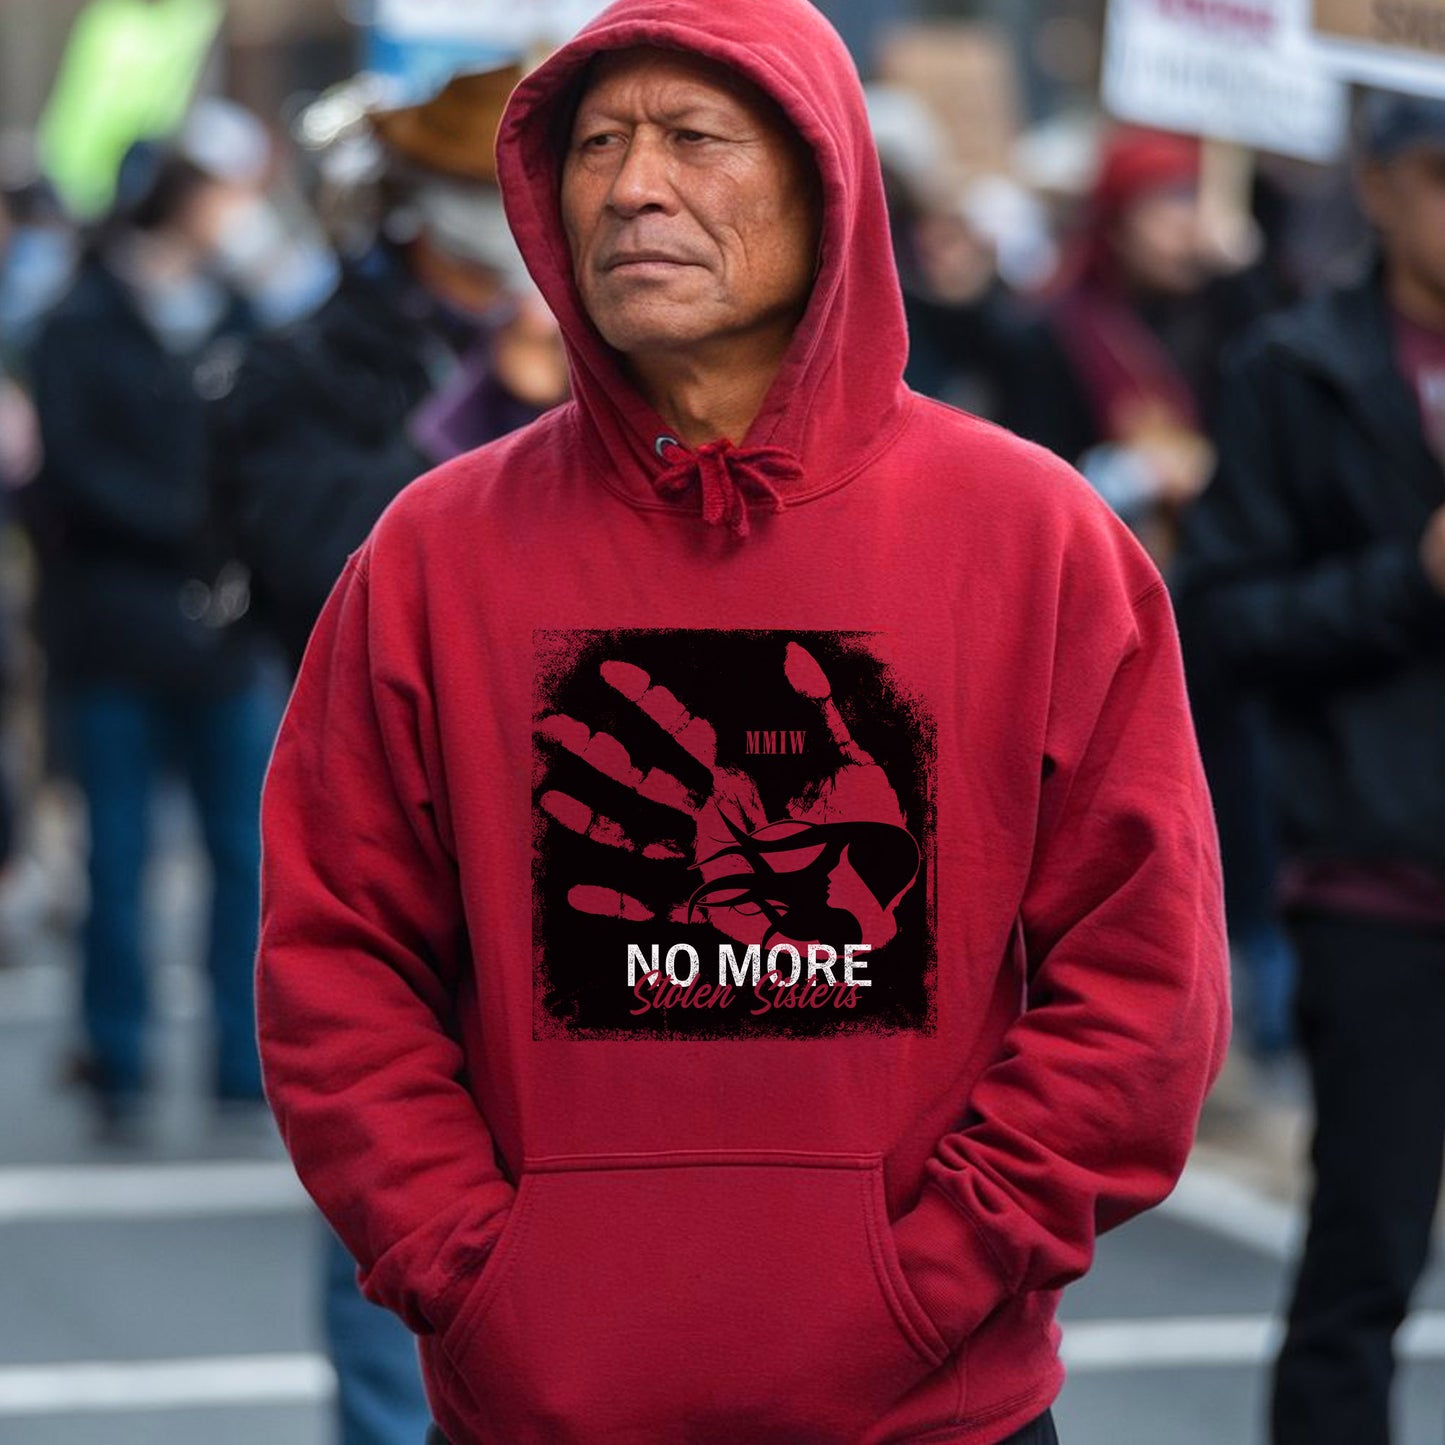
[[698, 112], [702, 110]]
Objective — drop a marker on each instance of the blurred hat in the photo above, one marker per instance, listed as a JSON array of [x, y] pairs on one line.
[[1390, 124], [1136, 163], [455, 132], [467, 222], [226, 141]]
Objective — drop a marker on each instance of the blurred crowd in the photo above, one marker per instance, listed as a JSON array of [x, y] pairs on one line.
[[213, 386], [218, 369]]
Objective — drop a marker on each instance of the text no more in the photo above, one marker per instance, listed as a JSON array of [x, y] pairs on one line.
[[822, 958]]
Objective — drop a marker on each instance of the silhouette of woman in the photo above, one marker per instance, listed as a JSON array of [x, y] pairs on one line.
[[833, 883]]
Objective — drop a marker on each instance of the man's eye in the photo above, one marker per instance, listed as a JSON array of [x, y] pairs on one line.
[[691, 137], [596, 142]]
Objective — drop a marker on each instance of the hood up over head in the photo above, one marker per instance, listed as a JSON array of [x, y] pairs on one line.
[[838, 398]]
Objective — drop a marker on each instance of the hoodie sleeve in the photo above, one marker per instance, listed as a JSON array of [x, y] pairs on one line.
[[363, 943], [1088, 1112]]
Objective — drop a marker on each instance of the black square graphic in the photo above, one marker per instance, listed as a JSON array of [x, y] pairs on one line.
[[733, 837]]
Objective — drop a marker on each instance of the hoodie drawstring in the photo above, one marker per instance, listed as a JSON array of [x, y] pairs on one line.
[[726, 475]]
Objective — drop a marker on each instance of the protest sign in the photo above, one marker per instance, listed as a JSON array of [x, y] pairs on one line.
[[1230, 70], [1396, 44]]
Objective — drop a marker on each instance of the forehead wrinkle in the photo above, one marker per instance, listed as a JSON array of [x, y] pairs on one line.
[[702, 82], [669, 110]]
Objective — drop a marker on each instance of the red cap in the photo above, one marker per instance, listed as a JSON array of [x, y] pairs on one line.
[[1137, 162]]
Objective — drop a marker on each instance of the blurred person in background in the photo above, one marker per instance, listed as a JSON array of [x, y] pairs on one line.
[[965, 329], [19, 458], [142, 612], [432, 344], [1119, 376], [38, 250], [1316, 559], [270, 249], [33, 275], [1119, 362], [38, 253]]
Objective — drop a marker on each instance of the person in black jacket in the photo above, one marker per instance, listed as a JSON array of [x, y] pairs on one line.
[[1315, 563], [309, 442], [426, 348], [142, 615]]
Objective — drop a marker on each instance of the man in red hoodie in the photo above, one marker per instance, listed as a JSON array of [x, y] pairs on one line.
[[741, 905]]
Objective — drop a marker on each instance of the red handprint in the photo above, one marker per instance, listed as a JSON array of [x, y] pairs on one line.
[[832, 869]]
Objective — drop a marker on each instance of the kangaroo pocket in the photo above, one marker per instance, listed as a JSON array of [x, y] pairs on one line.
[[692, 1297]]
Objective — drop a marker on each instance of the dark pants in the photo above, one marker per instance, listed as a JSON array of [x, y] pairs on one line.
[[1040, 1432], [1371, 1014]]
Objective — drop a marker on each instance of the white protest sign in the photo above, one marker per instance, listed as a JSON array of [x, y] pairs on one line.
[[1230, 70], [505, 24], [1396, 44]]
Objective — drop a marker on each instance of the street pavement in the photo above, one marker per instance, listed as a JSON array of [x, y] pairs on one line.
[[172, 1294]]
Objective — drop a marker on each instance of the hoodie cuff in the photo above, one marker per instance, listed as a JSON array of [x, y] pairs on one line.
[[428, 1293], [953, 1273], [445, 1303]]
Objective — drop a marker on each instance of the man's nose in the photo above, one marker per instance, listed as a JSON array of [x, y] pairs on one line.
[[643, 180]]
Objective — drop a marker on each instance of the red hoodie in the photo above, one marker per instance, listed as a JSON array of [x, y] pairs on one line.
[[719, 986]]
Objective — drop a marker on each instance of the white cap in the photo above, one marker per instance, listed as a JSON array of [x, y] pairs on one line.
[[226, 141], [467, 221]]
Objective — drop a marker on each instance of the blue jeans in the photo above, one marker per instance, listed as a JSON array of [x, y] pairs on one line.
[[1269, 968], [380, 1399], [120, 739]]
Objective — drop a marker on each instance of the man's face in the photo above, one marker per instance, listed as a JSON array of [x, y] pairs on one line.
[[1157, 241], [1405, 198], [690, 207]]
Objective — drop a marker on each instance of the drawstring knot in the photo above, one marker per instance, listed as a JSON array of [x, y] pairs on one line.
[[727, 476]]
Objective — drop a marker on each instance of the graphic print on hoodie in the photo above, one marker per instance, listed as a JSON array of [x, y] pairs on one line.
[[734, 836]]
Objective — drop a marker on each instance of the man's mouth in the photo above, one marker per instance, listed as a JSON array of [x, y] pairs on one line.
[[625, 259]]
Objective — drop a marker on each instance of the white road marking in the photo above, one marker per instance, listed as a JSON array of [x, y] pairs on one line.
[[1098, 1346], [1090, 1347], [103, 1386], [72, 1193], [1215, 1201], [1095, 1346], [46, 993]]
